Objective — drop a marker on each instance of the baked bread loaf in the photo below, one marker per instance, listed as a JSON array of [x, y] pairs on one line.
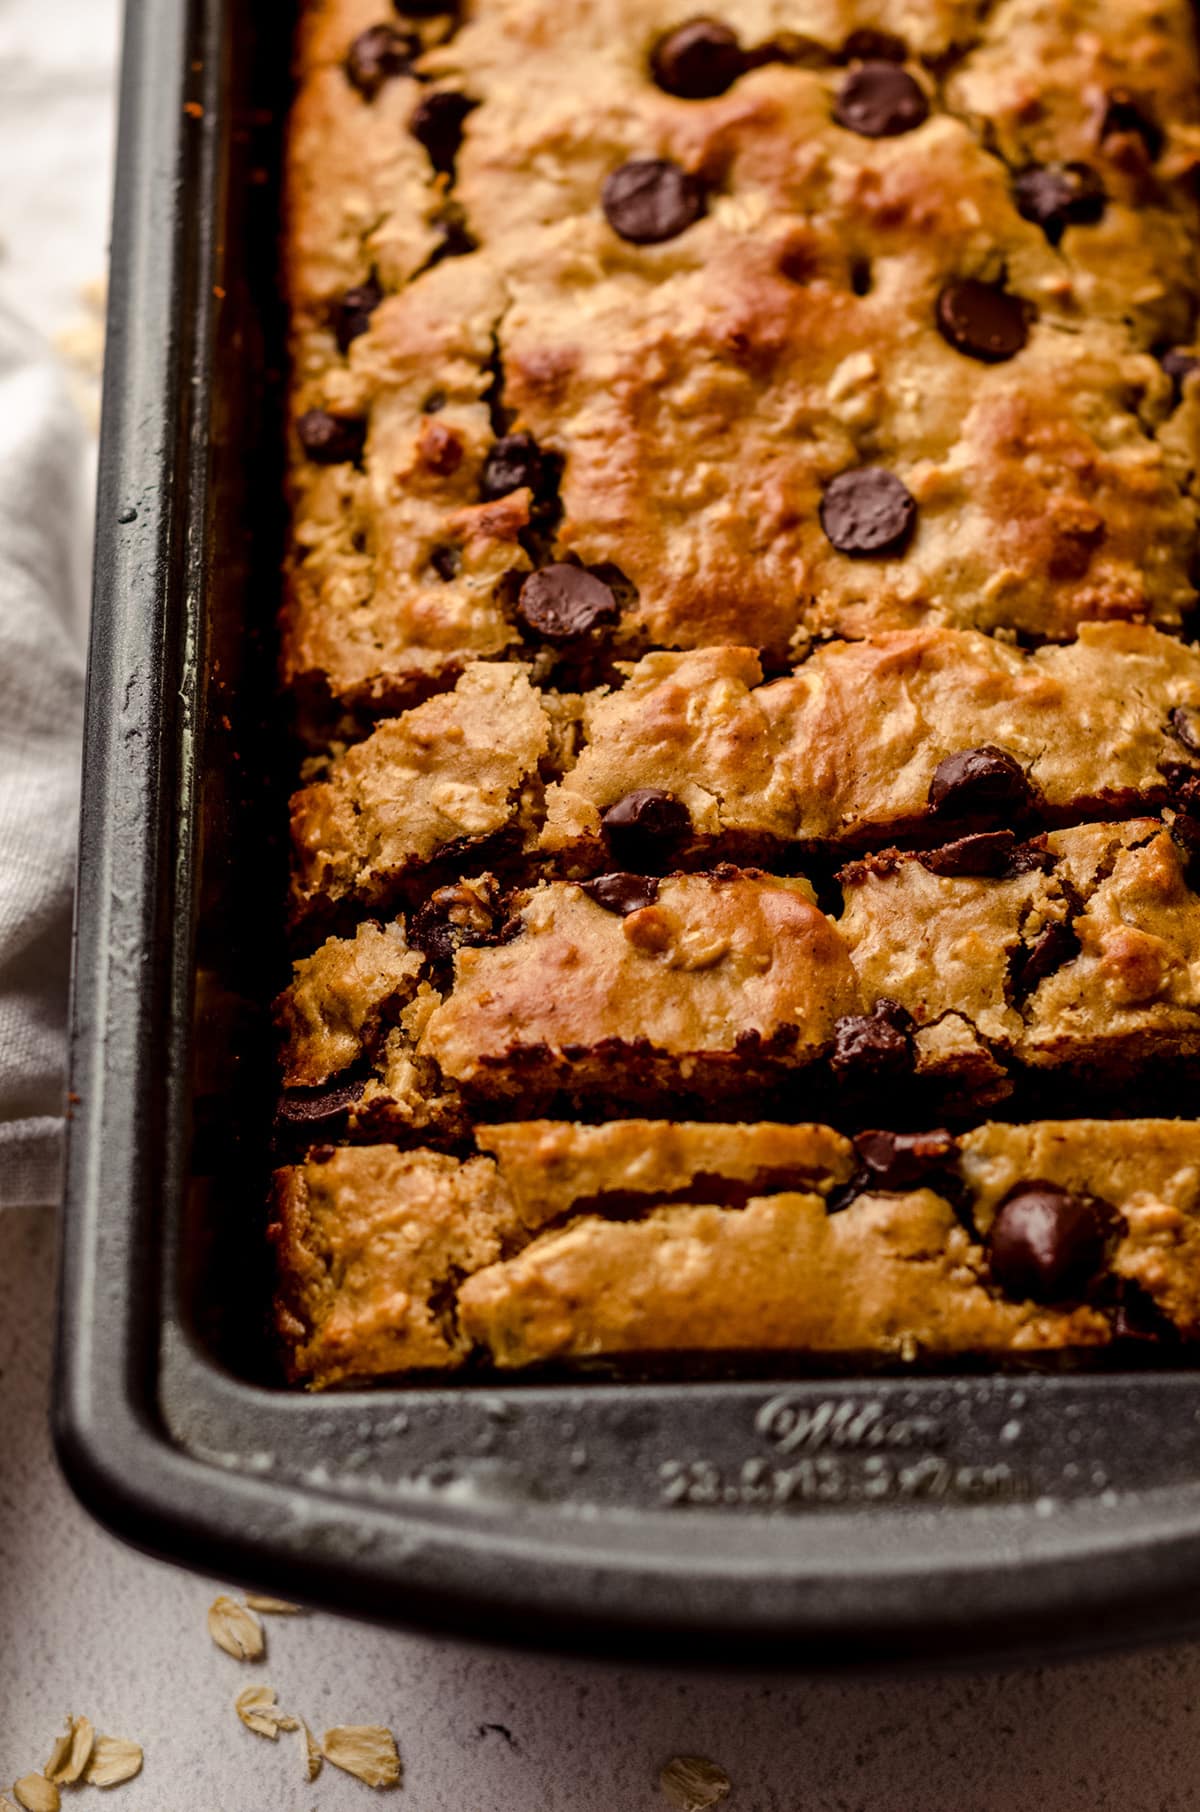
[[738, 616]]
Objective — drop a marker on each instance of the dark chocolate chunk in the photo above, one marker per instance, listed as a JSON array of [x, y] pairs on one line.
[[1185, 831], [450, 918], [868, 511], [1185, 727], [896, 1160], [982, 320], [1046, 1243], [1055, 944], [698, 60], [880, 100], [446, 562], [561, 602], [875, 1045], [1128, 114], [354, 312], [437, 123], [869, 46], [623, 893], [378, 54], [986, 853], [647, 815], [1178, 365], [979, 783], [516, 462], [651, 199], [1056, 196], [313, 1108], [328, 440]]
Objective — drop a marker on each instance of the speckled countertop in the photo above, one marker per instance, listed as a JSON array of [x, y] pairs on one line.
[[88, 1626]]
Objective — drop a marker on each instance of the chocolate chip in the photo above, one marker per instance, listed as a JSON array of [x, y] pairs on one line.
[[378, 54], [325, 1106], [329, 440], [446, 562], [1055, 944], [1183, 786], [437, 123], [986, 853], [1178, 365], [651, 199], [623, 893], [1046, 1243], [515, 463], [868, 511], [1185, 833], [869, 46], [902, 1160], [698, 60], [982, 320], [1185, 726], [450, 918], [879, 100], [1125, 114], [434, 403], [979, 783], [875, 1045], [647, 815], [354, 312], [1056, 196], [561, 602]]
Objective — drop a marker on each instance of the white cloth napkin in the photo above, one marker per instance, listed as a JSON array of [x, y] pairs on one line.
[[42, 573]]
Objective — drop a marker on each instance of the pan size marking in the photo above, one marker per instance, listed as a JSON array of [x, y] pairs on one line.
[[835, 1478]]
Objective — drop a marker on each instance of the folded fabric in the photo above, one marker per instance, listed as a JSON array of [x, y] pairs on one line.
[[42, 573]]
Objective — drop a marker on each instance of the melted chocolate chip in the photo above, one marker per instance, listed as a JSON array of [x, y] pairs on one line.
[[1178, 365], [652, 199], [378, 54], [986, 853], [979, 783], [1056, 196], [515, 463], [1055, 944], [330, 440], [875, 1045], [1126, 114], [982, 320], [623, 893], [1046, 1243], [446, 562], [354, 311], [868, 46], [450, 918], [437, 123], [879, 100], [434, 403], [1185, 727], [326, 1106], [647, 815], [902, 1160], [868, 512], [1185, 832], [455, 239], [698, 60], [561, 602]]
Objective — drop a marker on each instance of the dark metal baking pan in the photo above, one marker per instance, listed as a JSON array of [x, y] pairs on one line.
[[786, 1518]]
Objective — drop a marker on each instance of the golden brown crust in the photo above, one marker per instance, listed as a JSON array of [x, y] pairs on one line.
[[439, 779], [889, 1275], [845, 748], [369, 1244]]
